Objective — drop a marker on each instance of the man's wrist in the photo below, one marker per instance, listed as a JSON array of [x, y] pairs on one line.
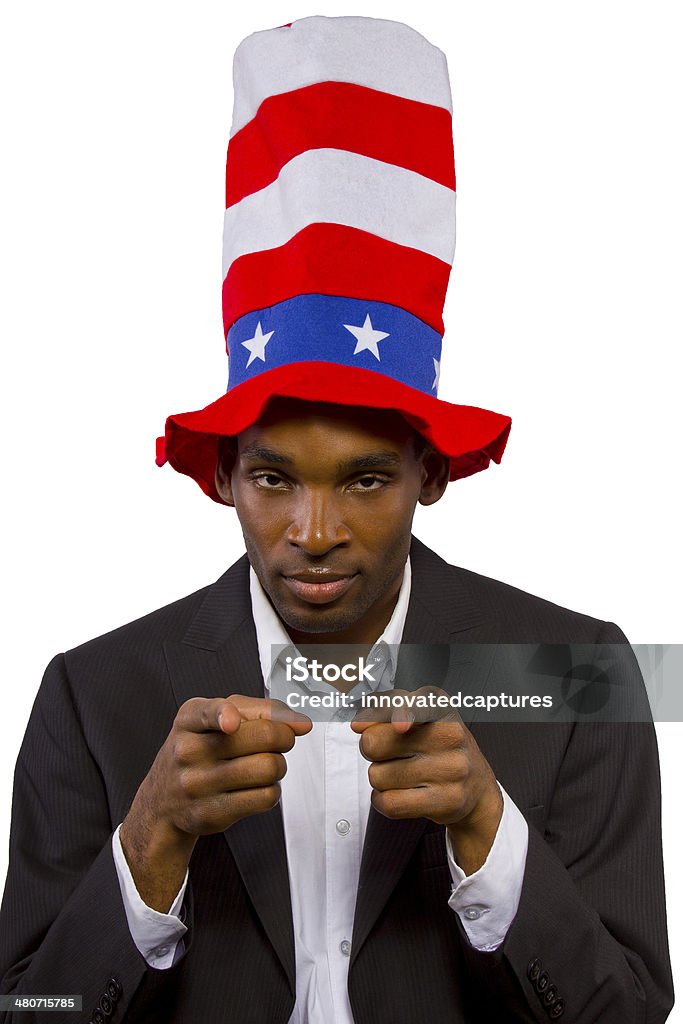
[[158, 856], [472, 837]]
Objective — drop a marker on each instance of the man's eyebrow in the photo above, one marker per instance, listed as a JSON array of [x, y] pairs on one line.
[[259, 451], [370, 460]]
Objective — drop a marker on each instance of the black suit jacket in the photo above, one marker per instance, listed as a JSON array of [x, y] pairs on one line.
[[588, 943]]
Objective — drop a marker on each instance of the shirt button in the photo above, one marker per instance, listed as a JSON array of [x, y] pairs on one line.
[[472, 913], [161, 951], [345, 947], [343, 827]]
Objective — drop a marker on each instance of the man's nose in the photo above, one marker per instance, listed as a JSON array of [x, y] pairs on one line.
[[318, 525]]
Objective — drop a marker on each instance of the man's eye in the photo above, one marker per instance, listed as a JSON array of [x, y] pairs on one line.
[[269, 481], [368, 483]]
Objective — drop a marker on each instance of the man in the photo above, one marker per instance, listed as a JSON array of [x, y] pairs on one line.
[[162, 863]]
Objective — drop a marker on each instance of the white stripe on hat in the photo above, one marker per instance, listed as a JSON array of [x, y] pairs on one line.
[[379, 54], [338, 187]]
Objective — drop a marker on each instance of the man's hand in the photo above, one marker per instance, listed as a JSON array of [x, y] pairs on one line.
[[222, 761], [432, 769]]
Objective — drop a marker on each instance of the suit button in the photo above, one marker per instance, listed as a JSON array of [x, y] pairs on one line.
[[542, 982], [556, 1010], [114, 989], [534, 969], [106, 1005], [97, 1017], [550, 995]]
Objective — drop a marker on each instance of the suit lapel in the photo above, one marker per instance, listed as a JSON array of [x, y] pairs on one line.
[[218, 656], [440, 612]]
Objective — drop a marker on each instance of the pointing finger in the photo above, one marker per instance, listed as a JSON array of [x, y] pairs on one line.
[[253, 708]]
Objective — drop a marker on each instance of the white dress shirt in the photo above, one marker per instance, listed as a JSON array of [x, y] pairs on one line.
[[325, 802]]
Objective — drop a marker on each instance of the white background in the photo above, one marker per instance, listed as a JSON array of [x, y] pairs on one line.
[[564, 311]]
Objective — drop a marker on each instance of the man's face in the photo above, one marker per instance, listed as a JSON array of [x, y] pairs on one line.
[[325, 495]]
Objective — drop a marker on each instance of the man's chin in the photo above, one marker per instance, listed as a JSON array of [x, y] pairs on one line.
[[318, 619]]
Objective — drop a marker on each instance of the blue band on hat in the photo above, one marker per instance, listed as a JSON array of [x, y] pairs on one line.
[[352, 332]]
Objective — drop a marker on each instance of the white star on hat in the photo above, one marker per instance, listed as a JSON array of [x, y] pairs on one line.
[[437, 371], [367, 337], [256, 346]]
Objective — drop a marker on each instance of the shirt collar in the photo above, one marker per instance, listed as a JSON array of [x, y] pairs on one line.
[[270, 630]]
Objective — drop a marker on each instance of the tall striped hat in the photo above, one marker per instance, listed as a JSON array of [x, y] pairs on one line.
[[338, 238]]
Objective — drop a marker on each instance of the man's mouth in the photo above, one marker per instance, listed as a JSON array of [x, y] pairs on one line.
[[319, 586]]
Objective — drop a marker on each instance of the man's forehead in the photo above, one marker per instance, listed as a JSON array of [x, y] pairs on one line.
[[291, 416]]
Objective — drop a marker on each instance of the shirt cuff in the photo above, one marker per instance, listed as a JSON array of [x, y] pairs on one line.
[[155, 935], [487, 900]]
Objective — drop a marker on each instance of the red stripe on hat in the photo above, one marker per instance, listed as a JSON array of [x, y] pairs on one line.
[[334, 259], [339, 115]]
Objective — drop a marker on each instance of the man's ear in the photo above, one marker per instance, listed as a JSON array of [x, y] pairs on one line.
[[435, 473], [227, 453]]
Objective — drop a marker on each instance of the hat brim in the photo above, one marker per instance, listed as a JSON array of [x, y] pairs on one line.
[[470, 437]]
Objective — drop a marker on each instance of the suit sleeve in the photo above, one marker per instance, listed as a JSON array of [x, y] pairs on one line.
[[63, 927], [588, 943]]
